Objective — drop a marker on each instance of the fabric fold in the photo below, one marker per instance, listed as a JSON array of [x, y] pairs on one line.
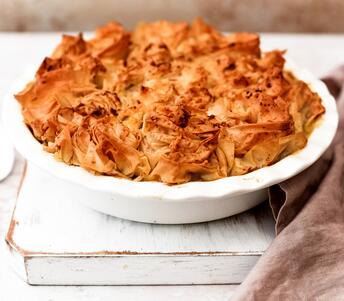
[[306, 259]]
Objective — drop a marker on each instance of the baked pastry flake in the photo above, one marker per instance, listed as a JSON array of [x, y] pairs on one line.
[[168, 102]]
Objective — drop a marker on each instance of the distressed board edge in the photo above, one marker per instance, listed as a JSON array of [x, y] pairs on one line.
[[132, 270]]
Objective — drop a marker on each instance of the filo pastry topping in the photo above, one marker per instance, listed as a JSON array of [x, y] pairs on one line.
[[168, 102]]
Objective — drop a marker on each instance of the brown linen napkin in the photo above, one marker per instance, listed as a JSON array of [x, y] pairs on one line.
[[306, 259]]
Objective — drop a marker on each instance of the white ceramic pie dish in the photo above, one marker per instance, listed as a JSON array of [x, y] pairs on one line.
[[192, 202]]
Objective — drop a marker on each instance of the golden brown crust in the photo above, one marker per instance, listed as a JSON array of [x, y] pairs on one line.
[[168, 102]]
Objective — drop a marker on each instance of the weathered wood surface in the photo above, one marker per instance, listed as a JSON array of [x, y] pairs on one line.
[[63, 242]]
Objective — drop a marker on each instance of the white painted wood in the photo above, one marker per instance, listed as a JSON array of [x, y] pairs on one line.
[[64, 242], [139, 270], [50, 219], [19, 50]]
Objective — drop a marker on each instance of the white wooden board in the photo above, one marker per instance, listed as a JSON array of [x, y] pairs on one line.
[[55, 240]]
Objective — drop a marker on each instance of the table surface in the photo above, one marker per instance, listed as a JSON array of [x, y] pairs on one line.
[[318, 53]]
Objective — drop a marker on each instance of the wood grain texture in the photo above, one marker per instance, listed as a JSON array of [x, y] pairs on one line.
[[64, 242], [137, 270], [50, 219]]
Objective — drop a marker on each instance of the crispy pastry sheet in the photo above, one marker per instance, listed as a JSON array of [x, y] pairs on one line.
[[168, 102]]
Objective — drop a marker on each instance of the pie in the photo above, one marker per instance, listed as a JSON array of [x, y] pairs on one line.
[[168, 102]]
